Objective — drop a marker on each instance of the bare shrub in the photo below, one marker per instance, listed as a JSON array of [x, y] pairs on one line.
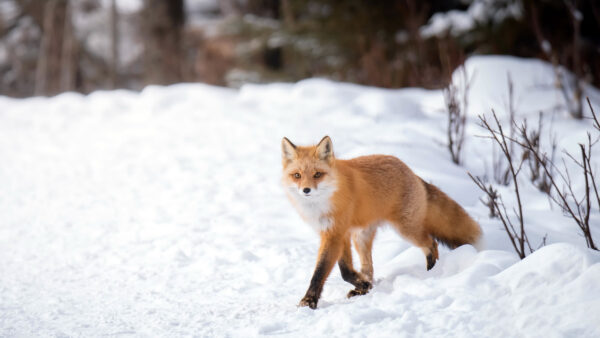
[[577, 206], [516, 232], [456, 106], [538, 177], [501, 171], [491, 201]]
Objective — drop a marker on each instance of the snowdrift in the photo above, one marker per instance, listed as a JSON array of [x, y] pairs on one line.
[[160, 214]]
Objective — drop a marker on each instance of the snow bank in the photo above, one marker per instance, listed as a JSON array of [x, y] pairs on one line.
[[534, 86], [160, 214]]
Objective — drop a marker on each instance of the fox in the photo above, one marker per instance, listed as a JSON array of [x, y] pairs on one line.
[[345, 201]]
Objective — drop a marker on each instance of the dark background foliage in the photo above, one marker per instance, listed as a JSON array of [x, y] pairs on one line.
[[47, 47]]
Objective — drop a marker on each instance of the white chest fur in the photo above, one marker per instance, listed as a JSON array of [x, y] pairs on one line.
[[316, 209]]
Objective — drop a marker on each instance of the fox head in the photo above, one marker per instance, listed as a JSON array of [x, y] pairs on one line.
[[308, 172]]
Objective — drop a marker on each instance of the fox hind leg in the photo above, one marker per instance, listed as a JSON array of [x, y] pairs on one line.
[[420, 238], [429, 247], [363, 243], [361, 282], [431, 254]]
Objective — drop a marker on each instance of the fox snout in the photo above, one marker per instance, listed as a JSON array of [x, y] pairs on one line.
[[305, 192], [308, 192], [313, 189]]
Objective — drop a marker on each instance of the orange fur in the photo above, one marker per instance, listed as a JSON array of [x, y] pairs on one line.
[[349, 199]]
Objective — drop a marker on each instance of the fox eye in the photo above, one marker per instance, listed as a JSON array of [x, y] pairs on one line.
[[296, 175], [318, 174]]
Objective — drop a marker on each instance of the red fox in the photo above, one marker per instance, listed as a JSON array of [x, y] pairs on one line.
[[346, 200]]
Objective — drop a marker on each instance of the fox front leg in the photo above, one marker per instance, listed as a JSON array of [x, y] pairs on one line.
[[329, 253]]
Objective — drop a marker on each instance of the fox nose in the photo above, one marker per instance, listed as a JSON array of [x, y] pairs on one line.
[[306, 190]]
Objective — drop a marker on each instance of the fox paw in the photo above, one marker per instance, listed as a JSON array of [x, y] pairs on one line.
[[309, 301], [361, 289]]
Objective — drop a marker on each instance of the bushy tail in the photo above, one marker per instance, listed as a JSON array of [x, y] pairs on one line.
[[448, 222]]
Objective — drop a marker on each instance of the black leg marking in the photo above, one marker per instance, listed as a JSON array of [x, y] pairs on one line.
[[348, 273], [361, 285], [362, 288], [313, 293], [357, 292], [430, 262], [310, 301]]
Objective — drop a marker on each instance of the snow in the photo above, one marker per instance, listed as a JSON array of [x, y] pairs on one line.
[[202, 6], [161, 213], [479, 12]]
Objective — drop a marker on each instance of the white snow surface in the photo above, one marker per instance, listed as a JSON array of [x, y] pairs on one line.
[[479, 12], [160, 213]]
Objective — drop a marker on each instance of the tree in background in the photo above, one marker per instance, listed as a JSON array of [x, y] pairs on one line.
[[55, 71], [83, 45], [45, 52], [162, 31]]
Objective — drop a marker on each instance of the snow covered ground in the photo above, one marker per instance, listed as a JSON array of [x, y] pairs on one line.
[[160, 214]]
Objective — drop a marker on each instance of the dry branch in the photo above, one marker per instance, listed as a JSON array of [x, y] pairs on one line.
[[457, 110], [576, 207], [517, 236]]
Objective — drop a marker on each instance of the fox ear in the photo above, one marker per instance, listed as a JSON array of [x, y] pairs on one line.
[[325, 149], [288, 150]]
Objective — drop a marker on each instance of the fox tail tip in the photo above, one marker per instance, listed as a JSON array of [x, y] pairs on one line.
[[479, 244]]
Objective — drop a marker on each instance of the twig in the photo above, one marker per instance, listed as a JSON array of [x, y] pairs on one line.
[[518, 237]]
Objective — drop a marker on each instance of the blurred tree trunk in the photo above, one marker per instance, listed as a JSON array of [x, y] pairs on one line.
[[162, 32], [114, 40], [56, 66], [287, 13], [69, 52]]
